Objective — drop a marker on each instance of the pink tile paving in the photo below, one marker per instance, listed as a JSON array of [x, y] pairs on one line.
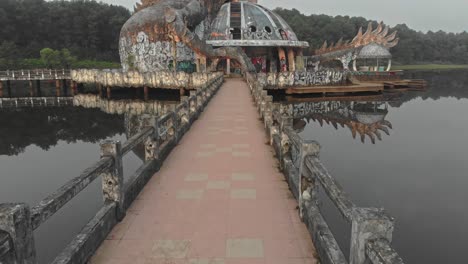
[[218, 198]]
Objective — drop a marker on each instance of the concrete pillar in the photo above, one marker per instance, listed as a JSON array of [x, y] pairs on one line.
[[228, 66], [368, 224], [38, 90], [113, 188], [146, 93], [202, 64], [15, 220], [65, 87], [282, 60], [291, 60], [99, 88], [8, 84], [74, 88], [109, 92], [174, 54], [1, 89], [300, 66], [31, 89], [57, 88]]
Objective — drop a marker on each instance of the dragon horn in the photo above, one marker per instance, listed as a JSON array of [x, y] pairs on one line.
[[385, 31], [369, 30], [387, 123], [339, 43], [324, 46], [393, 43], [378, 29], [358, 36], [378, 134], [391, 36]]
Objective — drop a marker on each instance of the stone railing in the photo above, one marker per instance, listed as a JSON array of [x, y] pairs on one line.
[[283, 80], [371, 228], [135, 107], [35, 102], [159, 79], [18, 221], [29, 75]]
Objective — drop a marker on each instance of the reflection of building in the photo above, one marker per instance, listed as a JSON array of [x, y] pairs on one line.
[[267, 39], [361, 118], [137, 114]]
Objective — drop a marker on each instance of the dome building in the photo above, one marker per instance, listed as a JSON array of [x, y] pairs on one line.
[[266, 38]]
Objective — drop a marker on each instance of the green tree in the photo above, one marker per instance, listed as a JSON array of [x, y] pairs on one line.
[[50, 58], [66, 58]]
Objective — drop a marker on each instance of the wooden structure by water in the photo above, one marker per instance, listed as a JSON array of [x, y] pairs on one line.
[[62, 80]]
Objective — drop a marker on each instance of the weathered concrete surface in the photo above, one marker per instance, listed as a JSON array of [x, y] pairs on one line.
[[218, 198], [154, 79]]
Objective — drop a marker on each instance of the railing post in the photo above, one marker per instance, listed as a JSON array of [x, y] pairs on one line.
[[285, 123], [151, 143], [15, 219], [368, 224], [113, 180], [307, 185]]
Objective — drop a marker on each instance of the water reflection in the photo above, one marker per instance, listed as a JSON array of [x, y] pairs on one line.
[[361, 118], [46, 127]]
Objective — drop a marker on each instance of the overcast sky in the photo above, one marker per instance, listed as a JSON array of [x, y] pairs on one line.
[[448, 15]]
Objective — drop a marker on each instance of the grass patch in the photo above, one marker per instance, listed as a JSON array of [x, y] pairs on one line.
[[429, 67]]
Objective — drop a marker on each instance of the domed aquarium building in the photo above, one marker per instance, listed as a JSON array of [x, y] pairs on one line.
[[266, 38], [189, 35]]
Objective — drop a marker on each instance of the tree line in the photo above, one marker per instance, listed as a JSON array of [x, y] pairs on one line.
[[415, 47], [87, 29], [78, 32]]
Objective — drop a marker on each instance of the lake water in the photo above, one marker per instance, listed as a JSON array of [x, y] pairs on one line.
[[418, 172]]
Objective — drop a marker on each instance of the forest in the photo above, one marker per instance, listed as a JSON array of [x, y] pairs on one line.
[[89, 32], [88, 29], [415, 47]]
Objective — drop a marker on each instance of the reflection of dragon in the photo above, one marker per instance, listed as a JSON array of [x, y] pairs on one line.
[[365, 119], [185, 21]]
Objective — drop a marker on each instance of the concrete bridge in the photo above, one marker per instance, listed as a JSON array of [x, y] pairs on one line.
[[220, 196]]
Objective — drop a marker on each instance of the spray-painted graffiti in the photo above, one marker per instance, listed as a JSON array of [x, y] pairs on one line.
[[279, 80], [249, 33], [186, 66], [147, 56], [260, 64], [323, 77]]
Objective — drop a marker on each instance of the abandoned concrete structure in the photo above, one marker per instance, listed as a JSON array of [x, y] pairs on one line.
[[189, 35], [267, 39]]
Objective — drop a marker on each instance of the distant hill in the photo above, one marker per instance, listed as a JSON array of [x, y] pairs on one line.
[[414, 48]]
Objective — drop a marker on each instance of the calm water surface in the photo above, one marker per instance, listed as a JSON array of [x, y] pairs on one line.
[[419, 172]]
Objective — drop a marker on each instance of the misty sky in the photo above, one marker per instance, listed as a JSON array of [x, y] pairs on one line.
[[448, 15]]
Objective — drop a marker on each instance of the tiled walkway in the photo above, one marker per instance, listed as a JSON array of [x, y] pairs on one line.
[[218, 198]]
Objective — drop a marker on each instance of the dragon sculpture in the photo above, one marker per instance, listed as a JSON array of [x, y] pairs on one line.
[[346, 51], [163, 33]]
